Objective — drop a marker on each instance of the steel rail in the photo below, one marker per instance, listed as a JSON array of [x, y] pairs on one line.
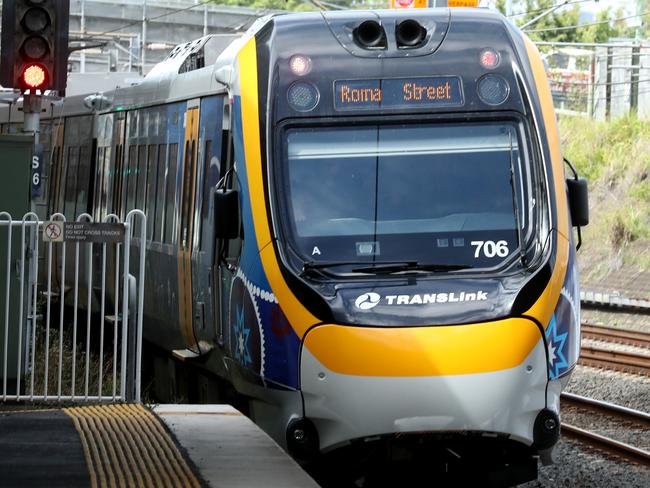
[[626, 362], [602, 443], [612, 334], [606, 408]]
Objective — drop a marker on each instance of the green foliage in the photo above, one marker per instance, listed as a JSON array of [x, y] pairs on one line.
[[604, 149], [565, 17], [294, 5], [562, 17], [602, 33], [615, 158], [501, 6], [303, 5]]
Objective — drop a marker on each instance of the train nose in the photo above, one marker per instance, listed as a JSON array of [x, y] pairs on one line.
[[362, 382]]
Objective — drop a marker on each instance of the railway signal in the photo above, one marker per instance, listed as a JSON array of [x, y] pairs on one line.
[[35, 45]]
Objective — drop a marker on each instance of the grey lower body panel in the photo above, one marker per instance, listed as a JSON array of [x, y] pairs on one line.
[[346, 407]]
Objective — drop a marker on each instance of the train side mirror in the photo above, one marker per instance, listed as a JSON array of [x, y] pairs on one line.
[[578, 196], [226, 214]]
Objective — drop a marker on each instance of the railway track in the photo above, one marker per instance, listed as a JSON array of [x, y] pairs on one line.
[[619, 336], [624, 361], [603, 443]]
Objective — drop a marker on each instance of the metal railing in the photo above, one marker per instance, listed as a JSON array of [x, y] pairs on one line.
[[601, 81], [96, 280]]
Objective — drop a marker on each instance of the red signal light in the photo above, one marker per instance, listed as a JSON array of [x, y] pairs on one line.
[[489, 58], [34, 76]]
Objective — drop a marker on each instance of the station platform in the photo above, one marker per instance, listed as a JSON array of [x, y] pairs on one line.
[[124, 445]]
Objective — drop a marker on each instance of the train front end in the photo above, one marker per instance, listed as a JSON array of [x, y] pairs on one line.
[[405, 208]]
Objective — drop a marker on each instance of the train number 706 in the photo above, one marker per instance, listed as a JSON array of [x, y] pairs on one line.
[[491, 248]]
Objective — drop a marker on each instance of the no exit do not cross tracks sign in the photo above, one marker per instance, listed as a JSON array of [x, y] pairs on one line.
[[58, 231]]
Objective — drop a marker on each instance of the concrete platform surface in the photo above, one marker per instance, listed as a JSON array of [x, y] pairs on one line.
[[229, 450]]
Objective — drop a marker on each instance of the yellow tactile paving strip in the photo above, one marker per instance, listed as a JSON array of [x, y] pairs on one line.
[[126, 445]]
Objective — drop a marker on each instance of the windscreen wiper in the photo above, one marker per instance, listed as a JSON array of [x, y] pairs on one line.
[[327, 264], [409, 266], [330, 264]]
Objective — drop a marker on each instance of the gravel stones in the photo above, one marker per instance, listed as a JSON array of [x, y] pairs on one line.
[[577, 467], [623, 389]]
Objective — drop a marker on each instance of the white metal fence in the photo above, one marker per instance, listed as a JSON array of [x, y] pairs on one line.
[[602, 81], [85, 285]]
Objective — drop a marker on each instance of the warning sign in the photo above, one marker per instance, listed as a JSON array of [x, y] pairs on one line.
[[90, 232], [53, 231]]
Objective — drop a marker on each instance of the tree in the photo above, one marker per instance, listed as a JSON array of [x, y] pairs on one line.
[[304, 5], [601, 33], [550, 27], [501, 6], [294, 5], [562, 17]]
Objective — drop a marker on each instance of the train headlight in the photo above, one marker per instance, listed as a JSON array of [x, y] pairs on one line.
[[300, 65], [493, 89], [303, 96]]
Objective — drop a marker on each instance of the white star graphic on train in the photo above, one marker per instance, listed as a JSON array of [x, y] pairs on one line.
[[551, 353]]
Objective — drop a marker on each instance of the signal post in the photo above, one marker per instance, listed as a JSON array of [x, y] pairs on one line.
[[34, 52]]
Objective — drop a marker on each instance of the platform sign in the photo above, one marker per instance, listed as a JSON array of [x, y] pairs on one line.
[[37, 170], [93, 232], [409, 3]]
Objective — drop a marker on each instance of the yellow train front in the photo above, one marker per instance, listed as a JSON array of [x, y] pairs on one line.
[[406, 287]]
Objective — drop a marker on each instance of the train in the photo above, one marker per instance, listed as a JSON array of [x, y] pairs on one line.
[[361, 223]]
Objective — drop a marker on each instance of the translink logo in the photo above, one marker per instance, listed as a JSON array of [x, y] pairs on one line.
[[367, 301], [371, 300]]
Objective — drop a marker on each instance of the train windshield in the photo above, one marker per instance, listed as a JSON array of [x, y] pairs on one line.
[[449, 195]]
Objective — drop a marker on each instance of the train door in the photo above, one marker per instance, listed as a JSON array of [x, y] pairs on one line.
[[208, 174], [228, 252], [186, 234]]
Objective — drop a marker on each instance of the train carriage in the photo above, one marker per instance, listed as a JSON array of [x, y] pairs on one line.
[[360, 221]]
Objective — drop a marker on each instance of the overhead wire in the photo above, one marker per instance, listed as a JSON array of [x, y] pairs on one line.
[[538, 10], [588, 24]]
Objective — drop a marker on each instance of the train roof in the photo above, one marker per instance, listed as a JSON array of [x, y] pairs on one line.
[[190, 69]]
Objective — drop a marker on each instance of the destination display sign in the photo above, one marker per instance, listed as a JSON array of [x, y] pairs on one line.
[[398, 93]]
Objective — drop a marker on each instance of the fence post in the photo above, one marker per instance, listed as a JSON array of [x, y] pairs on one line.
[[643, 108], [601, 75], [620, 83]]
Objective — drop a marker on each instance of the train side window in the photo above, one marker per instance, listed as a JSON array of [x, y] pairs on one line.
[[118, 184], [152, 178], [170, 195], [54, 170], [110, 179], [71, 173], [130, 179], [203, 199], [186, 190], [99, 183], [141, 173], [158, 227], [83, 180]]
